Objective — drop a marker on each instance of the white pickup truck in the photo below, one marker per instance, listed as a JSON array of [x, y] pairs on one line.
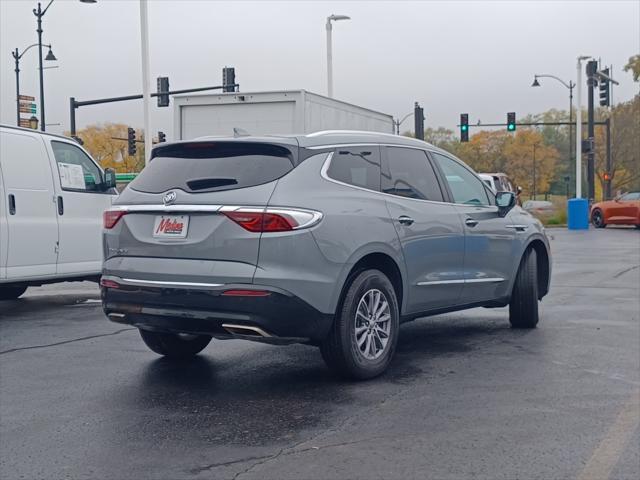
[[52, 195]]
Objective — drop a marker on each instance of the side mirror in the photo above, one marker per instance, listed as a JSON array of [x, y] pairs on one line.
[[505, 202], [109, 178]]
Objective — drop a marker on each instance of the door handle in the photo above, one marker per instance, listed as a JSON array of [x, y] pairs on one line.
[[60, 205], [470, 222], [404, 220], [12, 204]]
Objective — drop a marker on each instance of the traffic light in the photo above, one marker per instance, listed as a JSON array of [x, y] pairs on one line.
[[605, 88], [228, 79], [131, 141], [606, 176], [162, 137], [163, 91], [464, 127], [511, 121]]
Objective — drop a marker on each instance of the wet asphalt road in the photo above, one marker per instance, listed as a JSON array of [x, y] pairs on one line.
[[466, 396]]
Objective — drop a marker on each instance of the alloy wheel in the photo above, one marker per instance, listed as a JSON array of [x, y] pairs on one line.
[[372, 324]]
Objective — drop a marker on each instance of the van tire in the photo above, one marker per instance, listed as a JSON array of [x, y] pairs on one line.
[[340, 349], [12, 292], [175, 345], [523, 308]]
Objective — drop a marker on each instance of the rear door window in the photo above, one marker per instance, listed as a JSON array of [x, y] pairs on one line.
[[359, 166], [200, 167], [410, 174]]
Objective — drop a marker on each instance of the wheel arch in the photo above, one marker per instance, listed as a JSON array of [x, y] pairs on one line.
[[543, 264], [380, 261]]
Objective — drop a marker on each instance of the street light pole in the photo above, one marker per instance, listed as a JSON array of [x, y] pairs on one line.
[[17, 56], [329, 27], [535, 145], [570, 86], [144, 40], [39, 13], [579, 126]]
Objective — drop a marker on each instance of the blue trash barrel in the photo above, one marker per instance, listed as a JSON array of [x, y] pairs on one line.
[[578, 214]]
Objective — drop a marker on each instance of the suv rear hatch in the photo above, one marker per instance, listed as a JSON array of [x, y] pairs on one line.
[[195, 213]]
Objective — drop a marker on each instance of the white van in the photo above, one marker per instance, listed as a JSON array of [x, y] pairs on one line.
[[52, 195]]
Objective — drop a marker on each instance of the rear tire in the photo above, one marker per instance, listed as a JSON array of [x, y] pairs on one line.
[[175, 345], [11, 292], [364, 335], [597, 218], [523, 308]]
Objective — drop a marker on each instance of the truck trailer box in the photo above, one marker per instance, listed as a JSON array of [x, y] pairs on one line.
[[264, 113]]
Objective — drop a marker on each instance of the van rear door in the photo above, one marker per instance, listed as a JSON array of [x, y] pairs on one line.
[[29, 208]]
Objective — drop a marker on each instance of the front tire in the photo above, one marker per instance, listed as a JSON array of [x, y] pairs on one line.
[[175, 345], [523, 308], [597, 218], [11, 292], [364, 335]]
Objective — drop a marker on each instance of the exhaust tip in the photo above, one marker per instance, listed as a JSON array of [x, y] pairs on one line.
[[246, 330]]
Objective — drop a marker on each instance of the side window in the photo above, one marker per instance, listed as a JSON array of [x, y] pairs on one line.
[[359, 166], [411, 175], [465, 187], [77, 171]]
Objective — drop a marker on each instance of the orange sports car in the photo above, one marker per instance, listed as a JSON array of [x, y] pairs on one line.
[[622, 210]]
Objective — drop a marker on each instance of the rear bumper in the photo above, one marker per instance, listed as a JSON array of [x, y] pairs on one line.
[[279, 317]]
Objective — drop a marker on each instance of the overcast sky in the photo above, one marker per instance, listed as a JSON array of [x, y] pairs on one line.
[[451, 56]]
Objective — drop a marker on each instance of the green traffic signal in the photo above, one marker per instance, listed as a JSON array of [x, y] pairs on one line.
[[464, 128], [511, 127], [511, 122]]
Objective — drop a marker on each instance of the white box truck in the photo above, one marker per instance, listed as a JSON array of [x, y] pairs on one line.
[[264, 113]]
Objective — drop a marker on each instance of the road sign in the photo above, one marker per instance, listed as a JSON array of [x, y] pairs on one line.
[[27, 107], [24, 122], [26, 98]]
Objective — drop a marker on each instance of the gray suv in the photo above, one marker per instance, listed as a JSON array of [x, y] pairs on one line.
[[330, 239]]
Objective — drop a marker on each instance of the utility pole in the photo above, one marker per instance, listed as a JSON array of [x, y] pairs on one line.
[[579, 127], [609, 166], [146, 97]]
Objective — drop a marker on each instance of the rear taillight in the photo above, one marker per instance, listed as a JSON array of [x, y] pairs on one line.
[[111, 217], [106, 283], [273, 220]]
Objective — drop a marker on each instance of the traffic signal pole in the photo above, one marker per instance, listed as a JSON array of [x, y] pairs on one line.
[[74, 104], [592, 67]]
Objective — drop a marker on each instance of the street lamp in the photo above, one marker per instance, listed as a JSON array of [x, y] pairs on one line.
[[17, 56], [33, 122], [399, 122], [570, 86], [39, 13], [330, 19]]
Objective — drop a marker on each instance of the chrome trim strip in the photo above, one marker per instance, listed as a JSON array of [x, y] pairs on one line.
[[484, 280], [116, 315], [166, 208], [232, 326], [156, 283], [520, 228], [440, 282], [459, 281]]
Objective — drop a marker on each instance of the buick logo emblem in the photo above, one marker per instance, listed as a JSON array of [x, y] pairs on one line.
[[169, 197]]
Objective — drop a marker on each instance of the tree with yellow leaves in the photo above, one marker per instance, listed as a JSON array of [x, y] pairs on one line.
[[101, 141]]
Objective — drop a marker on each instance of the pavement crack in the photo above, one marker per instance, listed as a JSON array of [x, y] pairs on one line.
[[198, 470], [622, 272], [33, 347]]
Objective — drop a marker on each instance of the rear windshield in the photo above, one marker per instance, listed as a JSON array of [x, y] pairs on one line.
[[213, 166]]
